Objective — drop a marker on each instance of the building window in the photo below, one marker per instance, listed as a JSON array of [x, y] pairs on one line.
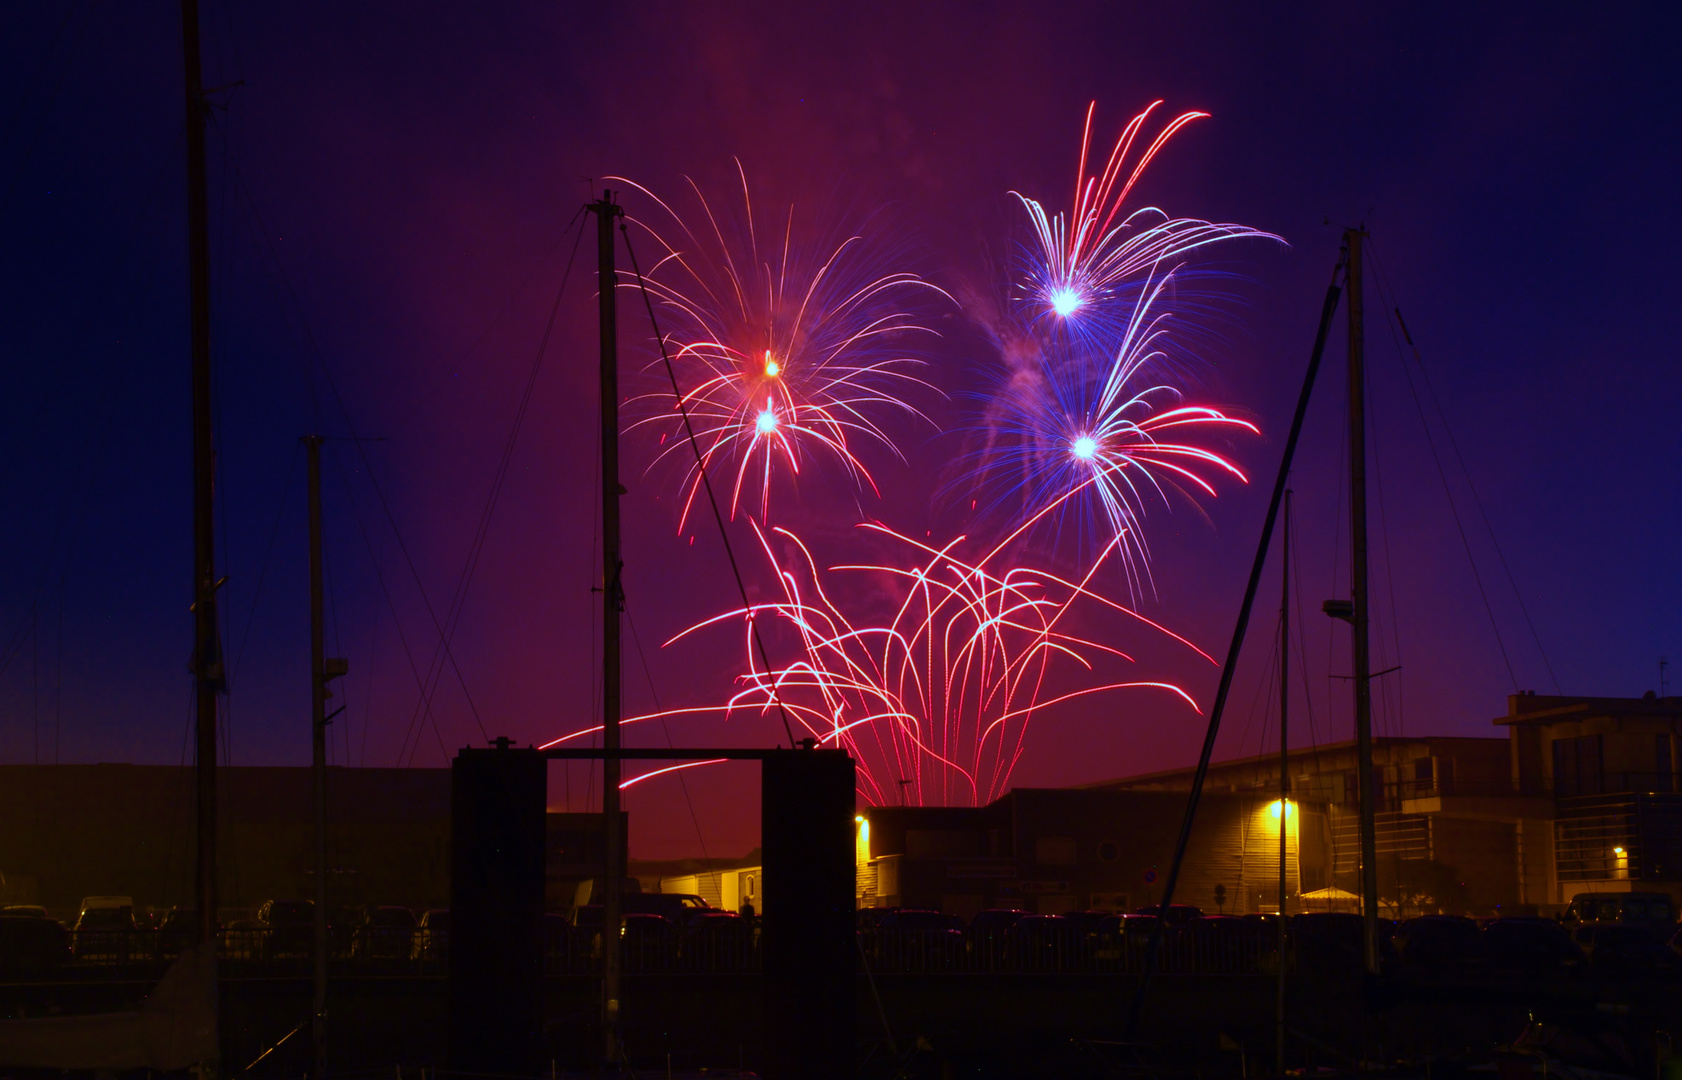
[[942, 843], [1577, 766], [1055, 850], [1424, 780]]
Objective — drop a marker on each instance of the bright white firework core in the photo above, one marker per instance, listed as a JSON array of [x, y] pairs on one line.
[[1064, 301], [1085, 447], [767, 422], [772, 368]]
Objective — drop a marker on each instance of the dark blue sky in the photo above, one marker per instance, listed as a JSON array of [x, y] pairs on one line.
[[391, 187]]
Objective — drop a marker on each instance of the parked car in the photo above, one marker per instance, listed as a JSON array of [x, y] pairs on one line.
[[23, 911], [564, 945], [984, 938], [31, 946], [1044, 943], [387, 933], [108, 903], [1327, 941], [343, 926], [867, 921], [1109, 946], [177, 930], [676, 908], [717, 941], [1178, 914], [1120, 940], [105, 928], [648, 942], [1438, 941], [432, 935], [871, 917], [1086, 923], [1226, 942], [1615, 948], [1652, 912], [289, 929], [242, 939], [910, 939], [1533, 945]]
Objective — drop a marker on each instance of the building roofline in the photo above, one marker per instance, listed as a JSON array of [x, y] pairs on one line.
[[1530, 708], [1297, 753]]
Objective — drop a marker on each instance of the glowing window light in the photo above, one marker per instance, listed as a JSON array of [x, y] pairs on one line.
[[1085, 448], [1065, 301], [1280, 808], [1618, 851], [767, 422], [772, 368]]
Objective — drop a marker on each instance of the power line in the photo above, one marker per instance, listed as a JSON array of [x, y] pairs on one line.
[[338, 399], [706, 481], [654, 694], [1442, 475], [397, 622], [458, 600]]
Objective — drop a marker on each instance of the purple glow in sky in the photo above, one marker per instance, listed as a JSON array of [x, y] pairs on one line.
[[391, 190]]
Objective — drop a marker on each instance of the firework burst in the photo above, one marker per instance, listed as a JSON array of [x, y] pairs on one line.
[[934, 700], [1083, 262], [783, 357], [1075, 446]]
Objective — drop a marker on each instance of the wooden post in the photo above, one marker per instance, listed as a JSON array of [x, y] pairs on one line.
[[612, 603]]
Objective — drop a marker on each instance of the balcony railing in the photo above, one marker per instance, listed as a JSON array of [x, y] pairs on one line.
[[1619, 783]]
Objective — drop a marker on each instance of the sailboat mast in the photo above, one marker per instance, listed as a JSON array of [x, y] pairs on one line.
[[207, 658], [1359, 599], [612, 603], [318, 765], [1284, 772]]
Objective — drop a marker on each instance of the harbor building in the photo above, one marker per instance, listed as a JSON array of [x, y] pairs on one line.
[[1580, 795], [1610, 765]]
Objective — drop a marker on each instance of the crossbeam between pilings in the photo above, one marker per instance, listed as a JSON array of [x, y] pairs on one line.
[[681, 754]]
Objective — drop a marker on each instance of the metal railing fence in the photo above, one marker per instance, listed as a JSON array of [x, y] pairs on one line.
[[567, 950]]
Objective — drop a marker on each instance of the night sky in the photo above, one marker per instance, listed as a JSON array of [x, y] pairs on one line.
[[392, 187]]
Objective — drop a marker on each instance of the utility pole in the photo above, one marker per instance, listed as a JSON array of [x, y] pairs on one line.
[[612, 604], [1359, 599], [207, 653], [322, 671], [1284, 773]]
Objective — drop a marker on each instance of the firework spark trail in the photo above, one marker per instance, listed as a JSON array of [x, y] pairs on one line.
[[786, 357], [1085, 447], [930, 668], [935, 701], [1088, 257]]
